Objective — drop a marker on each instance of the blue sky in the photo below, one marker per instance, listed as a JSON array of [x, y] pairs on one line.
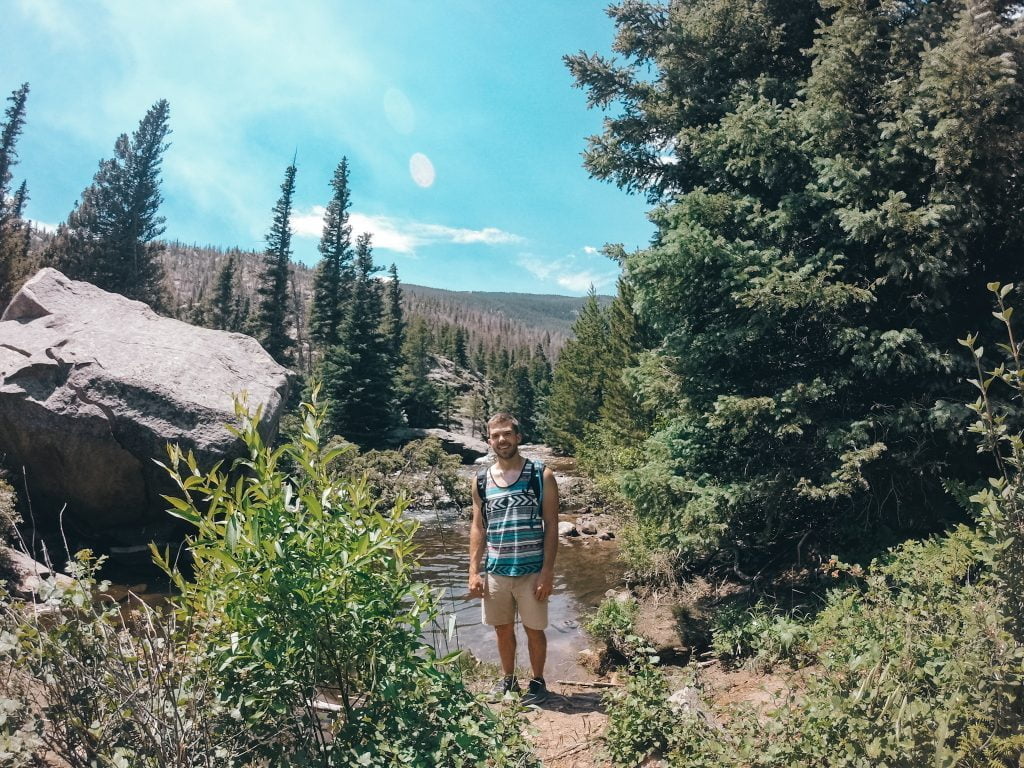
[[459, 119]]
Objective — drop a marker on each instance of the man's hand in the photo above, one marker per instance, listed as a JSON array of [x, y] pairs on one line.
[[545, 585], [477, 585]]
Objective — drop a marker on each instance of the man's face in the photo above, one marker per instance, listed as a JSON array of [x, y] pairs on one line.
[[504, 440]]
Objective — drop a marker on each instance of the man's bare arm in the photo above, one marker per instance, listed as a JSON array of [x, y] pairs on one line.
[[477, 538], [549, 511]]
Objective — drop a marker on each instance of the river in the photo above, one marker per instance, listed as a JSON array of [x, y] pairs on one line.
[[584, 570]]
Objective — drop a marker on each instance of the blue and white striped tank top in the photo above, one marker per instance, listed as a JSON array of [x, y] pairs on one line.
[[515, 524]]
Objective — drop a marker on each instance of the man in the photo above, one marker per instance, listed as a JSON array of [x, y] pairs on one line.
[[515, 523]]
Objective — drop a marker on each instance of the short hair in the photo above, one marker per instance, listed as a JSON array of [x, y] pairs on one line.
[[504, 418]]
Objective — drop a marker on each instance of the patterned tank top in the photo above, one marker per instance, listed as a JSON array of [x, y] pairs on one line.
[[515, 524]]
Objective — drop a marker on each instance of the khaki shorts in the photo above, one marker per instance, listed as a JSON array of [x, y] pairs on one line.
[[507, 593]]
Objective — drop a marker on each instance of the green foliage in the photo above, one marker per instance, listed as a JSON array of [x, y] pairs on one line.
[[109, 239], [419, 397], [912, 667], [998, 425], [614, 623], [10, 519], [333, 279], [272, 311], [297, 641], [576, 384], [310, 581], [640, 722], [919, 661], [96, 686], [357, 372], [421, 472], [826, 176], [227, 310], [14, 231], [394, 318], [758, 632]]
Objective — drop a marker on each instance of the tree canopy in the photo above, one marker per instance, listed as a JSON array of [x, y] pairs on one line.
[[834, 183], [109, 239]]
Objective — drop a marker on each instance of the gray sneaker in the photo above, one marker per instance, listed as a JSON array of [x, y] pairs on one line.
[[536, 693], [504, 687]]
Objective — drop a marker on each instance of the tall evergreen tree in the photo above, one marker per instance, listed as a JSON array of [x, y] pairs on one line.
[[843, 180], [418, 396], [225, 306], [357, 374], [14, 231], [333, 278], [394, 318], [273, 310], [109, 238], [576, 385]]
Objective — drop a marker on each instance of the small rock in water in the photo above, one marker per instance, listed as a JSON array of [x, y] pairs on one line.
[[606, 536], [566, 528], [587, 526]]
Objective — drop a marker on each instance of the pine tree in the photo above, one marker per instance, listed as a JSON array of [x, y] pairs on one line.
[[842, 181], [109, 238], [418, 396], [333, 279], [516, 396], [394, 319], [224, 309], [14, 231], [357, 374], [576, 385], [273, 309], [459, 347], [622, 415]]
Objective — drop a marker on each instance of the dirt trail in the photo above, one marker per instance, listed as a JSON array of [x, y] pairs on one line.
[[568, 731]]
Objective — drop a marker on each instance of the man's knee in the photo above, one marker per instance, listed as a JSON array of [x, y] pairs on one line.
[[503, 630], [534, 634]]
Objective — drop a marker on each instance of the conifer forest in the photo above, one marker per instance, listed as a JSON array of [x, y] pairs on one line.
[[802, 407]]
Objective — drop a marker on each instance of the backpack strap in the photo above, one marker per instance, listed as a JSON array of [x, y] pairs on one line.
[[481, 490], [537, 483]]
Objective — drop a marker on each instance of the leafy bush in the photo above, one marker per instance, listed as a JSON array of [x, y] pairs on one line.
[[614, 623], [311, 582], [297, 642], [920, 662], [421, 470], [757, 632], [640, 721], [101, 687], [9, 517], [913, 668]]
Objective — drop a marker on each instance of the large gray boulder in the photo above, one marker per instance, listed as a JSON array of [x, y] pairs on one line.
[[93, 386]]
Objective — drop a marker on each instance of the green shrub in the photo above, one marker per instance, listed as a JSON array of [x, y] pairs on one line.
[[614, 623], [9, 517], [757, 632], [640, 721], [920, 661], [98, 687], [296, 642], [310, 580]]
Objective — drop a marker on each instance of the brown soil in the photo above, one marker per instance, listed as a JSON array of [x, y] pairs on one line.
[[568, 731]]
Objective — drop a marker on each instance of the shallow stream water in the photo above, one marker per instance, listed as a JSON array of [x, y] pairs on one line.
[[584, 570]]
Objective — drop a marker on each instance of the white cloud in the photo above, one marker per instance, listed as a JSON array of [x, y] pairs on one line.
[[570, 272], [401, 235], [589, 249]]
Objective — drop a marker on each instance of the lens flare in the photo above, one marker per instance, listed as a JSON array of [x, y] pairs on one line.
[[421, 170]]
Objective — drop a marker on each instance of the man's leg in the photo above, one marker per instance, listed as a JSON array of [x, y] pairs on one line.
[[537, 643], [506, 634]]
